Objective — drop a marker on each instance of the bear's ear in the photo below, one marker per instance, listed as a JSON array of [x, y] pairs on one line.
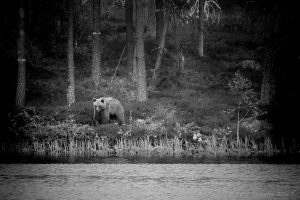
[[94, 99]]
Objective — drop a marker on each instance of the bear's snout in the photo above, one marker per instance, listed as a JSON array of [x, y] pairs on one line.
[[99, 108]]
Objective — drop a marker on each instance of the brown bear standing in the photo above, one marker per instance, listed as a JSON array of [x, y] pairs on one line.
[[107, 109]]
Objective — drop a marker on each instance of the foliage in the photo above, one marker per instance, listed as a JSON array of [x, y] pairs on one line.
[[21, 122], [222, 132], [246, 100], [212, 10], [27, 124], [125, 87], [189, 10], [160, 123], [160, 134], [188, 130], [242, 87]]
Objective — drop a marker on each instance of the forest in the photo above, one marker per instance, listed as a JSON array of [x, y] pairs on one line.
[[195, 77]]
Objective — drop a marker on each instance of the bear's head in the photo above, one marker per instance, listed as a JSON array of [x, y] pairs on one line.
[[99, 104]]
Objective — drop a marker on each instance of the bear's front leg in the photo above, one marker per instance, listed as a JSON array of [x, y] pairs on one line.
[[104, 118], [96, 123]]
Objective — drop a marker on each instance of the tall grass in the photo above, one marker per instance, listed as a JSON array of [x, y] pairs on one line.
[[142, 147]]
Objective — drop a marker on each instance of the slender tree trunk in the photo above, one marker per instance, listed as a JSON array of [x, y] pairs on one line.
[[134, 64], [159, 20], [180, 60], [201, 27], [21, 82], [71, 81], [140, 54], [130, 38], [160, 51], [238, 126], [96, 51]]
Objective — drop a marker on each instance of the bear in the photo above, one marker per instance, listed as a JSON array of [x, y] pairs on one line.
[[107, 109]]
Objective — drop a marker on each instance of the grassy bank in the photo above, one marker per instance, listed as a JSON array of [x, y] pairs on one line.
[[142, 147], [158, 136]]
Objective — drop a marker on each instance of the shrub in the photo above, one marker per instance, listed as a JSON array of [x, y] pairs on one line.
[[246, 98]]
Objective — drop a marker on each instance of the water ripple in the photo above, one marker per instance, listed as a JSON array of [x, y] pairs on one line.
[[149, 181]]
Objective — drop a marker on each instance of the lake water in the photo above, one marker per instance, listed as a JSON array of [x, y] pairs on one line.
[[121, 180]]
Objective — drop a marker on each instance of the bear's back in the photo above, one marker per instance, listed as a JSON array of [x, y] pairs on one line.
[[112, 100], [114, 104]]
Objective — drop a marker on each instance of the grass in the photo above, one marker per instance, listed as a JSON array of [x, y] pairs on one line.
[[141, 147], [158, 130]]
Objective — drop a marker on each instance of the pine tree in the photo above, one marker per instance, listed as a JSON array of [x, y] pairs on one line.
[[140, 54], [21, 82], [96, 51], [71, 81]]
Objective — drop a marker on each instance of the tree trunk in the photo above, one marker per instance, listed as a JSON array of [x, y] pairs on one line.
[[134, 64], [140, 54], [159, 20], [238, 126], [71, 82], [160, 51], [21, 82], [267, 85], [96, 51], [201, 27], [151, 19], [130, 38]]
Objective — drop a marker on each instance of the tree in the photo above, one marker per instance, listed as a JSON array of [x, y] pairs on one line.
[[246, 99], [159, 16], [96, 51], [160, 51], [130, 38], [21, 82], [140, 54], [203, 9], [201, 27], [71, 81]]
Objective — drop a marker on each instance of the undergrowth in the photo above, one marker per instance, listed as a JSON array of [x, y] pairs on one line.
[[161, 134]]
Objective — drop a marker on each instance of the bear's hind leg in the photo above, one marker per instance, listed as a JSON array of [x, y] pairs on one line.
[[121, 119]]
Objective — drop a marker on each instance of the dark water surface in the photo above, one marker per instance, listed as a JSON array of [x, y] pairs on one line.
[[121, 179], [33, 159]]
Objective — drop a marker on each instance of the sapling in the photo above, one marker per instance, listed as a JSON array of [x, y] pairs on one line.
[[246, 99]]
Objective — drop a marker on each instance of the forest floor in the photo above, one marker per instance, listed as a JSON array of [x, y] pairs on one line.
[[196, 89]]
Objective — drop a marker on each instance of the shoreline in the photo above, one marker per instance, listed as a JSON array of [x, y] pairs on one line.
[[143, 147]]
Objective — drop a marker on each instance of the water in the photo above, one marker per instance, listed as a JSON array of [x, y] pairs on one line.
[[149, 181]]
